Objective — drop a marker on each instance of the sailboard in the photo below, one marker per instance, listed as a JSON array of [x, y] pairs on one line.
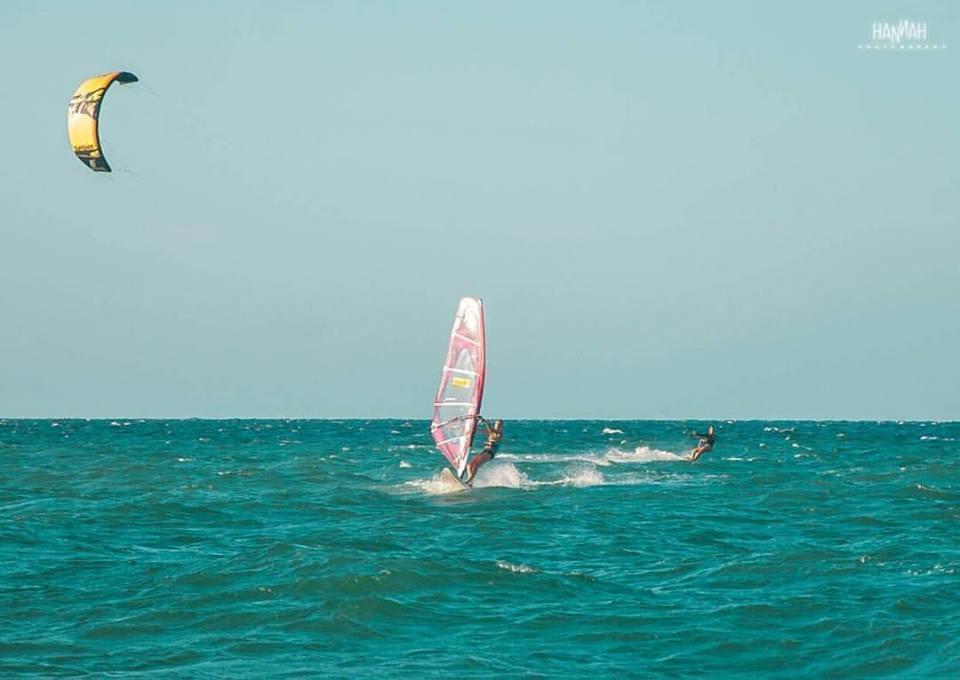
[[449, 483], [456, 408]]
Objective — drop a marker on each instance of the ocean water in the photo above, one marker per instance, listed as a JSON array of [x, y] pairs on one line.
[[241, 548]]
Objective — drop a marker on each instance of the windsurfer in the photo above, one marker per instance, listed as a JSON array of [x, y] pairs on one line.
[[705, 444], [494, 435]]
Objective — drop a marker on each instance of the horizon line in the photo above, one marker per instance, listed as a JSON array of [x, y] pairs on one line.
[[529, 419]]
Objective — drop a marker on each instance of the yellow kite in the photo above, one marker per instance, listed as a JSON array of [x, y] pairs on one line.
[[82, 116]]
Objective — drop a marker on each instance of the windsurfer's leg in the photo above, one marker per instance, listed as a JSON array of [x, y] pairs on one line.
[[475, 464]]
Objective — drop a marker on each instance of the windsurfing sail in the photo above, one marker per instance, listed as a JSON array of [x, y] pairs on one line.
[[456, 408]]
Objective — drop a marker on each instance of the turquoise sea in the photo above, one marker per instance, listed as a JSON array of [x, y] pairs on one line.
[[241, 548]]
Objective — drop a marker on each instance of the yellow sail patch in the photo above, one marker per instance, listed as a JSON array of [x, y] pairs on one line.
[[83, 115]]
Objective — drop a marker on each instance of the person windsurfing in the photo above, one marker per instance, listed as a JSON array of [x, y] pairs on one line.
[[705, 444], [494, 435]]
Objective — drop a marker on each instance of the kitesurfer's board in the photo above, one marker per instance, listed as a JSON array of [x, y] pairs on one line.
[[457, 405], [450, 483]]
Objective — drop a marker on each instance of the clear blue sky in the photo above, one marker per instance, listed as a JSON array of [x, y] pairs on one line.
[[671, 210]]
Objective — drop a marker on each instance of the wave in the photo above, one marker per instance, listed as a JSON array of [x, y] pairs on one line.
[[433, 486], [410, 447], [506, 475], [643, 454], [579, 477], [586, 477], [490, 476], [516, 568], [502, 475], [593, 458]]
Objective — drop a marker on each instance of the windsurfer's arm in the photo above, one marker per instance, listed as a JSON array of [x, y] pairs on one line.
[[493, 432]]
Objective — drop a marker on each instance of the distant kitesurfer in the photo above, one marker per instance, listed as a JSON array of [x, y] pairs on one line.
[[494, 435], [705, 444]]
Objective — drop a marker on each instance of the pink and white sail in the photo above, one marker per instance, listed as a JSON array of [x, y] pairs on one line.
[[457, 406]]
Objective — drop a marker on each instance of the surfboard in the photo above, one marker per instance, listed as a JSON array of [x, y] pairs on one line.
[[456, 407], [450, 483]]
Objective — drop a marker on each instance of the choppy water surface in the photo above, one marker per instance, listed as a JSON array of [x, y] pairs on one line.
[[264, 548]]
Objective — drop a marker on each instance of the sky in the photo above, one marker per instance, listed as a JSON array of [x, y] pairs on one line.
[[671, 210]]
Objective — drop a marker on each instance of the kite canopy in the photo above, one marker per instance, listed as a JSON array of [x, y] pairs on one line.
[[84, 113]]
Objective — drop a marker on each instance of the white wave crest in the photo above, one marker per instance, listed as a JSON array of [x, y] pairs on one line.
[[643, 454], [501, 474], [435, 486], [493, 475], [587, 476], [516, 568], [592, 458], [611, 430]]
